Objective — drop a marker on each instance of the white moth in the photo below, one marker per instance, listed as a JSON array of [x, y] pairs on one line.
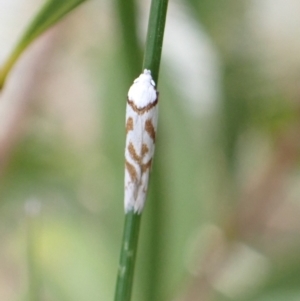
[[141, 124]]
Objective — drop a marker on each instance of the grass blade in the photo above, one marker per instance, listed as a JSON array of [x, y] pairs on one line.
[[50, 13], [128, 255], [152, 58]]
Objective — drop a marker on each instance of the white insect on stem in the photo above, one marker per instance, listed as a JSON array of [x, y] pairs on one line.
[[141, 124]]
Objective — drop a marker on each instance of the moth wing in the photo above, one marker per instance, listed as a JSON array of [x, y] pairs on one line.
[[149, 121], [133, 145]]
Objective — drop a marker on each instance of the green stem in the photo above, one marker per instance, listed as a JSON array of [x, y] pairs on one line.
[[128, 255], [156, 28], [152, 58]]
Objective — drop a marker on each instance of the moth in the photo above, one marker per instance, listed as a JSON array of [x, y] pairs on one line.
[[141, 125]]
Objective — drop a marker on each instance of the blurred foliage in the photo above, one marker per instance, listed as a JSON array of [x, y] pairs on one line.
[[50, 13], [222, 218]]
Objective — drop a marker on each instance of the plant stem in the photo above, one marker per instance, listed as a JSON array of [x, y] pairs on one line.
[[155, 35], [128, 255], [152, 57]]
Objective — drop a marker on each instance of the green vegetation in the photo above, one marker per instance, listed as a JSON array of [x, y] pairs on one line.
[[222, 218]]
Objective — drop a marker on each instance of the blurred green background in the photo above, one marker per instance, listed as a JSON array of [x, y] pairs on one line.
[[222, 220]]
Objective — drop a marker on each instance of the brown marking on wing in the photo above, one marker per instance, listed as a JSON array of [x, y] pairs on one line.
[[138, 159], [129, 125], [149, 128], [145, 149], [146, 166], [142, 110], [131, 170], [133, 154]]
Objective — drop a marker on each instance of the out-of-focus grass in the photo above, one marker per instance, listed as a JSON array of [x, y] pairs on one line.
[[222, 180], [50, 13]]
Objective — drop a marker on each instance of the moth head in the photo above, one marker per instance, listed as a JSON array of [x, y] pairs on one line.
[[145, 77]]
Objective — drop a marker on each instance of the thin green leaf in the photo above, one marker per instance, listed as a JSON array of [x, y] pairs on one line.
[[152, 58], [50, 13]]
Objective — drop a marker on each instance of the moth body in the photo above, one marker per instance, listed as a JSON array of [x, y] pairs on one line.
[[141, 125]]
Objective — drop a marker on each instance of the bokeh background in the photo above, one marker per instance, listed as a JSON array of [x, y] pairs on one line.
[[222, 221]]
